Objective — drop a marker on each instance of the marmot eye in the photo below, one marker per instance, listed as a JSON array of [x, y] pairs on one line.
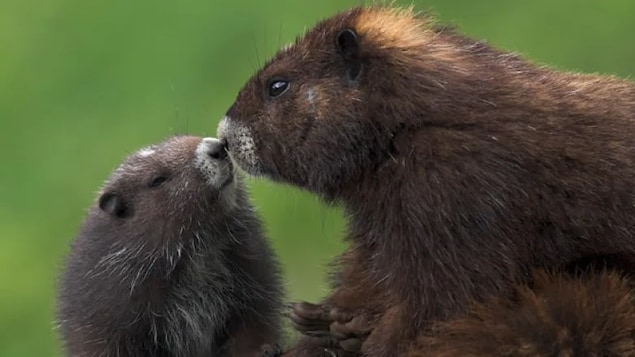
[[157, 181], [277, 87]]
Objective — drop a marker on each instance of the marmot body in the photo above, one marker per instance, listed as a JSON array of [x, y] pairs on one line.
[[461, 167], [559, 316], [171, 261]]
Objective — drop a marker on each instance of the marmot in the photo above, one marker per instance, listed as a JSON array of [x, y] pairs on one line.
[[461, 167], [171, 261]]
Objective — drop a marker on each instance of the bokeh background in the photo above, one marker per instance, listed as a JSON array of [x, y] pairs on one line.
[[84, 83]]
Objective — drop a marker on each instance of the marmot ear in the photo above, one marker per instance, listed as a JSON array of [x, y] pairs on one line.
[[114, 205], [348, 46]]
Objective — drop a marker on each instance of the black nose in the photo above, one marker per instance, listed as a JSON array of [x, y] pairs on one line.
[[217, 150]]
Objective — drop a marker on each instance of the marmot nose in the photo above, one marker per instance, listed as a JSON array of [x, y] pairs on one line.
[[216, 149]]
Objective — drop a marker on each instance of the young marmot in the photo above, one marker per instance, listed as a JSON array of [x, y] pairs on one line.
[[461, 167], [171, 261]]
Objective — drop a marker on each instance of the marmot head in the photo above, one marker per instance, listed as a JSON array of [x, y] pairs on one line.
[[323, 110], [165, 189]]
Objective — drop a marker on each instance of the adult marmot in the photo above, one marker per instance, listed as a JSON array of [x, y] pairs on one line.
[[461, 167]]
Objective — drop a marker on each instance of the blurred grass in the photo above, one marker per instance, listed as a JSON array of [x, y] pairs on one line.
[[84, 83]]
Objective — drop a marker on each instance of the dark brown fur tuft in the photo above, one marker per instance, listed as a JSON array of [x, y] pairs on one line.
[[560, 316]]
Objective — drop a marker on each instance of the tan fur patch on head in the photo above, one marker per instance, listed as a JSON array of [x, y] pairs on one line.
[[407, 35], [393, 27]]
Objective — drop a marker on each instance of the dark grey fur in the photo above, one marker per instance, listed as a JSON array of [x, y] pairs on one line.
[[171, 261]]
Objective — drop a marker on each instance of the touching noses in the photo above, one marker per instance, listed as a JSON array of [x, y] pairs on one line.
[[216, 149]]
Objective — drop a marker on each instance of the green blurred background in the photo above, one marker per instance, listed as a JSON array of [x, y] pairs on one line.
[[83, 83]]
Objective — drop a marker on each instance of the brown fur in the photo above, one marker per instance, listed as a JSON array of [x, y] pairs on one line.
[[560, 316], [461, 167]]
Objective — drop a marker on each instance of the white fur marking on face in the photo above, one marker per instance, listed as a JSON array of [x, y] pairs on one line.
[[215, 171], [145, 152], [310, 95], [223, 128], [311, 98], [242, 148]]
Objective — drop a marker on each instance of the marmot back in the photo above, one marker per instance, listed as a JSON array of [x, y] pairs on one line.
[[461, 167], [171, 261]]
